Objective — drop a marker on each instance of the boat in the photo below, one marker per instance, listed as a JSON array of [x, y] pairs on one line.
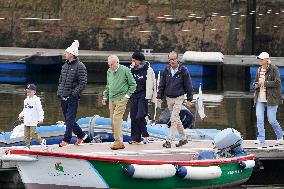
[[202, 66], [52, 133], [38, 62], [99, 129], [136, 166]]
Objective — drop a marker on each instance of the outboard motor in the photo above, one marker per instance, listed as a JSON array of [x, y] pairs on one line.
[[229, 143]]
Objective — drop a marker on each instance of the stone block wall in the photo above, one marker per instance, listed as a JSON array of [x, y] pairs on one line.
[[88, 21]]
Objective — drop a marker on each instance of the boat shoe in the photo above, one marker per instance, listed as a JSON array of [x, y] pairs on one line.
[[43, 142], [63, 144], [181, 143], [280, 140], [259, 142], [117, 146], [79, 141], [167, 144], [133, 142]]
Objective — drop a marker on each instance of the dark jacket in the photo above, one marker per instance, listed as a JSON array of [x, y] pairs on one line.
[[273, 86], [177, 85], [73, 79], [140, 76]]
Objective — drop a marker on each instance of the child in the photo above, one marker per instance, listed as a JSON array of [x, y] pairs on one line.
[[32, 114]]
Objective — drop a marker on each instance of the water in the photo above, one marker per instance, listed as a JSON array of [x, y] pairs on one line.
[[225, 109]]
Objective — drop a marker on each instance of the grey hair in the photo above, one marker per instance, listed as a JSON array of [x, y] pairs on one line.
[[113, 57], [173, 52]]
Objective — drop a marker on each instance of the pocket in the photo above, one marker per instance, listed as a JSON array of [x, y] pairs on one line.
[[73, 97]]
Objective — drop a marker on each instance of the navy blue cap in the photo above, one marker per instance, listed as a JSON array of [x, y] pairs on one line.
[[138, 56], [31, 87]]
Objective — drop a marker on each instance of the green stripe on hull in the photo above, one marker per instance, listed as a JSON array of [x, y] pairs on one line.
[[114, 175]]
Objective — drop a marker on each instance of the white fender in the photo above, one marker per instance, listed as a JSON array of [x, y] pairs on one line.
[[151, 171], [17, 158], [247, 164], [195, 56], [200, 173]]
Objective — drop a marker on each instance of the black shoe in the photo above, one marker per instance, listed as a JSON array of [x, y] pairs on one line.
[[181, 143], [88, 139], [167, 144]]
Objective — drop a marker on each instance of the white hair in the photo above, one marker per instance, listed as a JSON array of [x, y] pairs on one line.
[[114, 58]]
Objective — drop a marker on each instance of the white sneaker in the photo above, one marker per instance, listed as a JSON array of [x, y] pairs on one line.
[[43, 142], [145, 140], [279, 140], [258, 142]]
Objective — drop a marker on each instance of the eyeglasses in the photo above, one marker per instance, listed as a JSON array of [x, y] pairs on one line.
[[172, 59]]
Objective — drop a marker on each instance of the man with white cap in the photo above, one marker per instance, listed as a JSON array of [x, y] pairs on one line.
[[267, 95], [72, 82]]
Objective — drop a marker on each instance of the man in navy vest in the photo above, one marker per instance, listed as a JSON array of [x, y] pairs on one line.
[[145, 80]]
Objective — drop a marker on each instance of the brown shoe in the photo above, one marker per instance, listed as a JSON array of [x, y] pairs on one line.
[[117, 146], [63, 144], [79, 141]]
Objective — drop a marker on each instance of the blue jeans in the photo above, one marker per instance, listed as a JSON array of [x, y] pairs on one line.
[[271, 115], [69, 109]]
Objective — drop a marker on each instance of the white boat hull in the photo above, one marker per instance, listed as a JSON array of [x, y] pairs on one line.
[[62, 171]]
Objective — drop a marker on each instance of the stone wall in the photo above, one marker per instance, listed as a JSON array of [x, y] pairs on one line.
[[88, 21]]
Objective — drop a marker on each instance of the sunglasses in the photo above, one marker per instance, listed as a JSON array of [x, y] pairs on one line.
[[173, 59], [29, 91]]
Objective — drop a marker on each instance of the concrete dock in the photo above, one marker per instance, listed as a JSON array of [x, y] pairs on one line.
[[10, 54]]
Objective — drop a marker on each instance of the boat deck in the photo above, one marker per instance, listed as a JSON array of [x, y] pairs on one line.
[[268, 151], [151, 153], [263, 151]]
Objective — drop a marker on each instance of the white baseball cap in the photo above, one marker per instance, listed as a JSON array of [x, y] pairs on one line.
[[263, 55]]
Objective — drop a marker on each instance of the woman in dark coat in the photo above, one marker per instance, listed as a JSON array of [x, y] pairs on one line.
[[145, 79]]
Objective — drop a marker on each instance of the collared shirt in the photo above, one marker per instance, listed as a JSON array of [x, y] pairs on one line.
[[116, 68], [173, 71]]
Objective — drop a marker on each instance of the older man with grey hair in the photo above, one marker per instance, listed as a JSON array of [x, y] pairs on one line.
[[120, 86]]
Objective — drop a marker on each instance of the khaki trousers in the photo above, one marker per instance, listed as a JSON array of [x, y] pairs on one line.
[[29, 132], [175, 105], [117, 109]]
